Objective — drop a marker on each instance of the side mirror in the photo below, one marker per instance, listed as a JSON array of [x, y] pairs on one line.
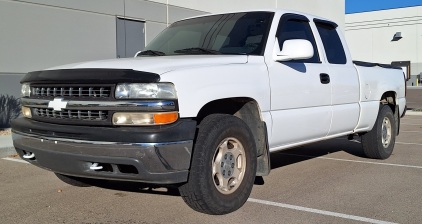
[[296, 49]]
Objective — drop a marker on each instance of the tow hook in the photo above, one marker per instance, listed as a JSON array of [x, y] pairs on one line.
[[95, 166], [29, 155]]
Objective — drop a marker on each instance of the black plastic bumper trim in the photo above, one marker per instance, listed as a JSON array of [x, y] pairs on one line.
[[162, 163]]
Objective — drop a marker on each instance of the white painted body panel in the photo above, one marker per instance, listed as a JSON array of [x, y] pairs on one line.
[[300, 104], [198, 86], [297, 125], [161, 64], [345, 92], [347, 111], [374, 82], [295, 106], [305, 108], [200, 79]]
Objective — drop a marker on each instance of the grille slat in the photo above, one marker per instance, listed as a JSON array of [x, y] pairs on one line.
[[83, 92], [82, 115], [72, 91]]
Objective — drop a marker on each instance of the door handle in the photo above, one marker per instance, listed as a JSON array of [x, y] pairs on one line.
[[325, 78]]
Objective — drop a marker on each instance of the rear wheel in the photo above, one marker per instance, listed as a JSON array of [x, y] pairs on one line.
[[74, 181], [223, 166], [379, 142]]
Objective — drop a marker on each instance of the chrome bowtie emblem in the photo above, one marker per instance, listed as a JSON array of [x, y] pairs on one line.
[[57, 104]]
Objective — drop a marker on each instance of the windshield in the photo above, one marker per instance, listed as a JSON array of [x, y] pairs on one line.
[[235, 33]]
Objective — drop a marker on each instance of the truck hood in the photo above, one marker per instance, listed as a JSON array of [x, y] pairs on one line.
[[160, 64]]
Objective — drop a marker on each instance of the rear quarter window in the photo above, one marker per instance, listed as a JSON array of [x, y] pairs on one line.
[[333, 47]]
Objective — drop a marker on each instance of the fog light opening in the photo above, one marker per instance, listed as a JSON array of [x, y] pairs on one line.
[[26, 112], [129, 169]]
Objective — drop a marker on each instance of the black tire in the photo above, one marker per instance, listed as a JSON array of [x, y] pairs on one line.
[[376, 143], [205, 191], [74, 181]]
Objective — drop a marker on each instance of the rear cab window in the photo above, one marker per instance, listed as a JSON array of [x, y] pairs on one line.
[[331, 40]]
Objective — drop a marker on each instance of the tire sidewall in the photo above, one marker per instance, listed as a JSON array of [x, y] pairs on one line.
[[231, 132], [386, 112], [222, 127]]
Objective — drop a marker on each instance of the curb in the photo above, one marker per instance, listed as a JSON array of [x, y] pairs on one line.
[[6, 146], [7, 151], [410, 112]]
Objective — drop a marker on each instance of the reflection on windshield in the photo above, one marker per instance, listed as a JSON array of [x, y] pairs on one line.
[[235, 33]]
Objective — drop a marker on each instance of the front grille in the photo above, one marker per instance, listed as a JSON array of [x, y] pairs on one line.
[[75, 115], [72, 91]]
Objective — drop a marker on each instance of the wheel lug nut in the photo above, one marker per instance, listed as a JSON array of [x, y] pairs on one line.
[[232, 165], [230, 173], [224, 172], [222, 164], [225, 156], [231, 157]]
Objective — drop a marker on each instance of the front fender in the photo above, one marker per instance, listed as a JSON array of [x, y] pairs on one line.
[[197, 86]]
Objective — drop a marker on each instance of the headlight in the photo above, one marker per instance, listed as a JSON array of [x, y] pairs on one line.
[[25, 90], [145, 91]]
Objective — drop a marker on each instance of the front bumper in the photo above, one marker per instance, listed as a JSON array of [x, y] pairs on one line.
[[159, 163]]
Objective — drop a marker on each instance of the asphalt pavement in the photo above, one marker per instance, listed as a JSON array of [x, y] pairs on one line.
[[325, 182]]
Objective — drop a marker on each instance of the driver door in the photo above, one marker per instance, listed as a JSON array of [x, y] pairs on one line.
[[300, 90]]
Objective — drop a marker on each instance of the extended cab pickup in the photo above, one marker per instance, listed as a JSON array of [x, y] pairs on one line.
[[204, 104]]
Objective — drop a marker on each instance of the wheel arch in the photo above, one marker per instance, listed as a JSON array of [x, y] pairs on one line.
[[390, 98], [248, 110]]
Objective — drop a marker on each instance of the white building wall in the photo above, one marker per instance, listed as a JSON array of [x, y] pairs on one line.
[[370, 36], [44, 36], [37, 34], [45, 33], [330, 9]]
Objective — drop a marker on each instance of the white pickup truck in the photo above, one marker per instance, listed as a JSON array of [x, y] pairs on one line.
[[205, 103]]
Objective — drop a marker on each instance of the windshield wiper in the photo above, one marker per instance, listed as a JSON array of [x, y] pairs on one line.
[[152, 53], [197, 50]]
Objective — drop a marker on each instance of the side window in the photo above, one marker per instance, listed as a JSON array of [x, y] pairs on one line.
[[333, 47], [297, 29]]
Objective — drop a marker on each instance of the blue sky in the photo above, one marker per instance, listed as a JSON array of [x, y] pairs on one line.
[[353, 6]]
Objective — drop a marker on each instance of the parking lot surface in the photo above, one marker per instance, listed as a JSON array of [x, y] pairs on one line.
[[326, 182], [414, 97]]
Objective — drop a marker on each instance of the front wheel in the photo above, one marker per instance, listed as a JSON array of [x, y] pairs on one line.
[[379, 142], [223, 166]]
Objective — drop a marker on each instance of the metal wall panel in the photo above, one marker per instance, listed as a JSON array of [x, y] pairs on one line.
[[110, 7], [35, 37], [178, 13], [152, 29], [130, 37], [147, 10], [9, 84]]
